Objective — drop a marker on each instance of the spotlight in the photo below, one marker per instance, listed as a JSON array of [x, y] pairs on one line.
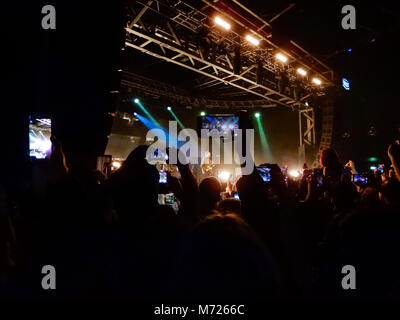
[[169, 108], [257, 114], [116, 164], [301, 71], [221, 22], [281, 57], [135, 113], [294, 173], [252, 40], [136, 100], [224, 176], [316, 81], [202, 113]]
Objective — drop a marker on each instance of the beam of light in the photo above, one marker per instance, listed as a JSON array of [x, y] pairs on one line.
[[252, 40], [221, 22], [155, 125], [148, 123], [281, 57], [301, 71], [263, 138], [176, 118], [147, 113]]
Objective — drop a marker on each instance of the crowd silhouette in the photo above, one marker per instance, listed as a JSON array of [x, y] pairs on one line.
[[110, 237]]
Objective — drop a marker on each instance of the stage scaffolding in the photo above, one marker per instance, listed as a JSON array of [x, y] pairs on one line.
[[185, 35]]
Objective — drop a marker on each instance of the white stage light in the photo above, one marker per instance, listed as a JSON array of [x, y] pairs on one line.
[[281, 57], [224, 176], [252, 40], [221, 22], [116, 164], [301, 71], [294, 173], [316, 81]]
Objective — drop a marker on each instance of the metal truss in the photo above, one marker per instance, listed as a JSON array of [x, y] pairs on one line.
[[158, 89], [178, 33]]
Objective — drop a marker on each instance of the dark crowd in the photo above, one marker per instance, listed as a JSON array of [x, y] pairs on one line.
[[108, 236]]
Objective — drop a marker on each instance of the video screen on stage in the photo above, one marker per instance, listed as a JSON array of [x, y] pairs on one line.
[[39, 137], [224, 124]]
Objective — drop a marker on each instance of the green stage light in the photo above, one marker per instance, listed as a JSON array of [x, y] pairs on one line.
[[176, 118], [202, 113], [372, 159], [263, 138]]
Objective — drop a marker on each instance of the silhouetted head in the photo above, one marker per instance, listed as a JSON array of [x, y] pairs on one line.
[[329, 158], [390, 193], [344, 197], [229, 205], [210, 188], [137, 155]]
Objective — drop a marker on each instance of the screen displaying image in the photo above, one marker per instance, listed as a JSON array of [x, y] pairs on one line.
[[264, 173], [224, 124], [166, 199], [163, 177], [39, 137], [360, 178]]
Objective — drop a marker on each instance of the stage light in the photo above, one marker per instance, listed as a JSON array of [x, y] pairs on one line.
[[116, 164], [372, 159], [136, 100], [294, 173], [350, 50], [176, 118], [135, 113], [252, 40], [221, 22], [373, 168], [281, 57], [202, 113], [307, 104], [316, 81], [266, 150], [301, 71], [224, 176]]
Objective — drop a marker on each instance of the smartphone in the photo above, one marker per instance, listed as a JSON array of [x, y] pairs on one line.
[[39, 137], [163, 177], [360, 178], [318, 174], [166, 199], [264, 173]]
